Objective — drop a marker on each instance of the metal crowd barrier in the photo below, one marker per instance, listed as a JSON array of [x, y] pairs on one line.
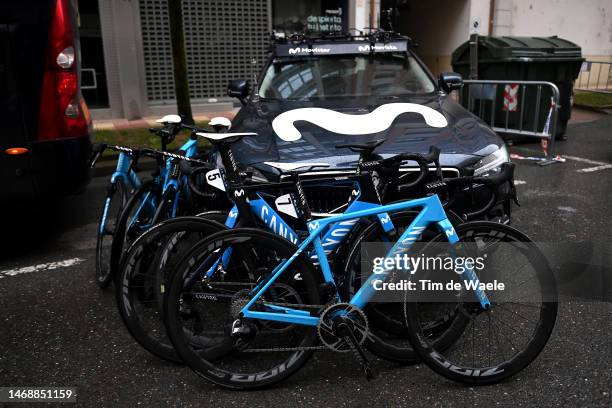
[[516, 108], [595, 76]]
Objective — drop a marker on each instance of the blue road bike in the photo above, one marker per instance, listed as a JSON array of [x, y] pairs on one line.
[[127, 190], [252, 323]]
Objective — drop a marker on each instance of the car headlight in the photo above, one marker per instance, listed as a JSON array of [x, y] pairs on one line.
[[492, 162]]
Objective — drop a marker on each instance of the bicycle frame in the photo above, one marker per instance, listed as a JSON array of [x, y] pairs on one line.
[[431, 213], [170, 182], [335, 235], [130, 178], [124, 171]]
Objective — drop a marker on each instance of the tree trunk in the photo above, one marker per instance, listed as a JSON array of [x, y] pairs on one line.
[[181, 80]]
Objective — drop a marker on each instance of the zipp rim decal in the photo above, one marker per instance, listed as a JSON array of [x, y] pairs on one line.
[[378, 120]]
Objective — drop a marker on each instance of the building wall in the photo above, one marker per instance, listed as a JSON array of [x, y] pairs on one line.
[[360, 13], [438, 26], [587, 23]]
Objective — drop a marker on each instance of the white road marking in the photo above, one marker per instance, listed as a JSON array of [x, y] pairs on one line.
[[41, 267], [567, 209], [598, 165], [596, 168], [583, 160], [519, 182]]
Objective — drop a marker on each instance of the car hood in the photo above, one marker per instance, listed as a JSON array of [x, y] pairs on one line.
[[463, 139]]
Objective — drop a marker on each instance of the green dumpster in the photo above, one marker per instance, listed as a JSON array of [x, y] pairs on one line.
[[551, 59]]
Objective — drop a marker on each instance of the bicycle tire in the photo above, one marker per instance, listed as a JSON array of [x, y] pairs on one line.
[[211, 370], [119, 239], [434, 353], [131, 306], [116, 195]]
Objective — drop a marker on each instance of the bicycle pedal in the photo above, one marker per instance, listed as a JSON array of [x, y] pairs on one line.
[[369, 373]]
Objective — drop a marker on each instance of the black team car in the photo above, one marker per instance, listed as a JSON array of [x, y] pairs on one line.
[[318, 92], [45, 141]]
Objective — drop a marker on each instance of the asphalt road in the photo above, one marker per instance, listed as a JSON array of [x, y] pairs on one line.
[[58, 329]]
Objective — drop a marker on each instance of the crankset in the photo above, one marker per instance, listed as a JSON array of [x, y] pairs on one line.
[[344, 328]]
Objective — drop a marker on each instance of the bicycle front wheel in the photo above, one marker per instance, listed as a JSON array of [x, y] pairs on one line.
[[486, 344], [142, 277], [388, 332], [114, 202], [135, 218]]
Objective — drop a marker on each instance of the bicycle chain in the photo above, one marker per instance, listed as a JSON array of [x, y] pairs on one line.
[[304, 348], [318, 308]]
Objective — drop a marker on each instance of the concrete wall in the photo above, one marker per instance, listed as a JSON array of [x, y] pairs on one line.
[[121, 38], [438, 26], [359, 10], [587, 23]]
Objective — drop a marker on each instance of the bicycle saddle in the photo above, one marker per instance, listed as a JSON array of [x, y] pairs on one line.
[[366, 148], [289, 167], [170, 119], [220, 123]]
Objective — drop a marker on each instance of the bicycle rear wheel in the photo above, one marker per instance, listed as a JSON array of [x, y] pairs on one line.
[[484, 346], [114, 202], [203, 316], [142, 277]]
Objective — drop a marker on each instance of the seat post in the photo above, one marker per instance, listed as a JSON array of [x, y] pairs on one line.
[[303, 202], [229, 162]]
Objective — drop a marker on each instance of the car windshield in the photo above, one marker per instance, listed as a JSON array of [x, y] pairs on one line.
[[317, 77]]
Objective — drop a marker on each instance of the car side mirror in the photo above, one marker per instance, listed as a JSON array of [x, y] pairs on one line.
[[450, 81], [238, 88]]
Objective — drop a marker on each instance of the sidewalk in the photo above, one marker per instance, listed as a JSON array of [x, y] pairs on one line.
[[110, 124], [580, 115]]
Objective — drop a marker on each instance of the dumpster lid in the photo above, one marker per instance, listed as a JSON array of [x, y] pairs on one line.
[[502, 49]]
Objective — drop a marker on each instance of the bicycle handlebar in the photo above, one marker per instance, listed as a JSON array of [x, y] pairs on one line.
[[423, 160], [193, 185], [158, 153], [169, 131], [493, 182], [98, 148]]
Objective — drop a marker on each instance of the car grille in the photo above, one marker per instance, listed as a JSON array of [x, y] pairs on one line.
[[326, 198]]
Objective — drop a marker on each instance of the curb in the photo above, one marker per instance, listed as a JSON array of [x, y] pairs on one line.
[[598, 109]]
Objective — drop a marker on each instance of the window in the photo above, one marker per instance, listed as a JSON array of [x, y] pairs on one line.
[[344, 76]]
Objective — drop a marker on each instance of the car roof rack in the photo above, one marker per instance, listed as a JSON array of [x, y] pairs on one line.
[[375, 35]]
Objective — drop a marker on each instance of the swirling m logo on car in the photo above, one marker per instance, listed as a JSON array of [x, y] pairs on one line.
[[378, 120]]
